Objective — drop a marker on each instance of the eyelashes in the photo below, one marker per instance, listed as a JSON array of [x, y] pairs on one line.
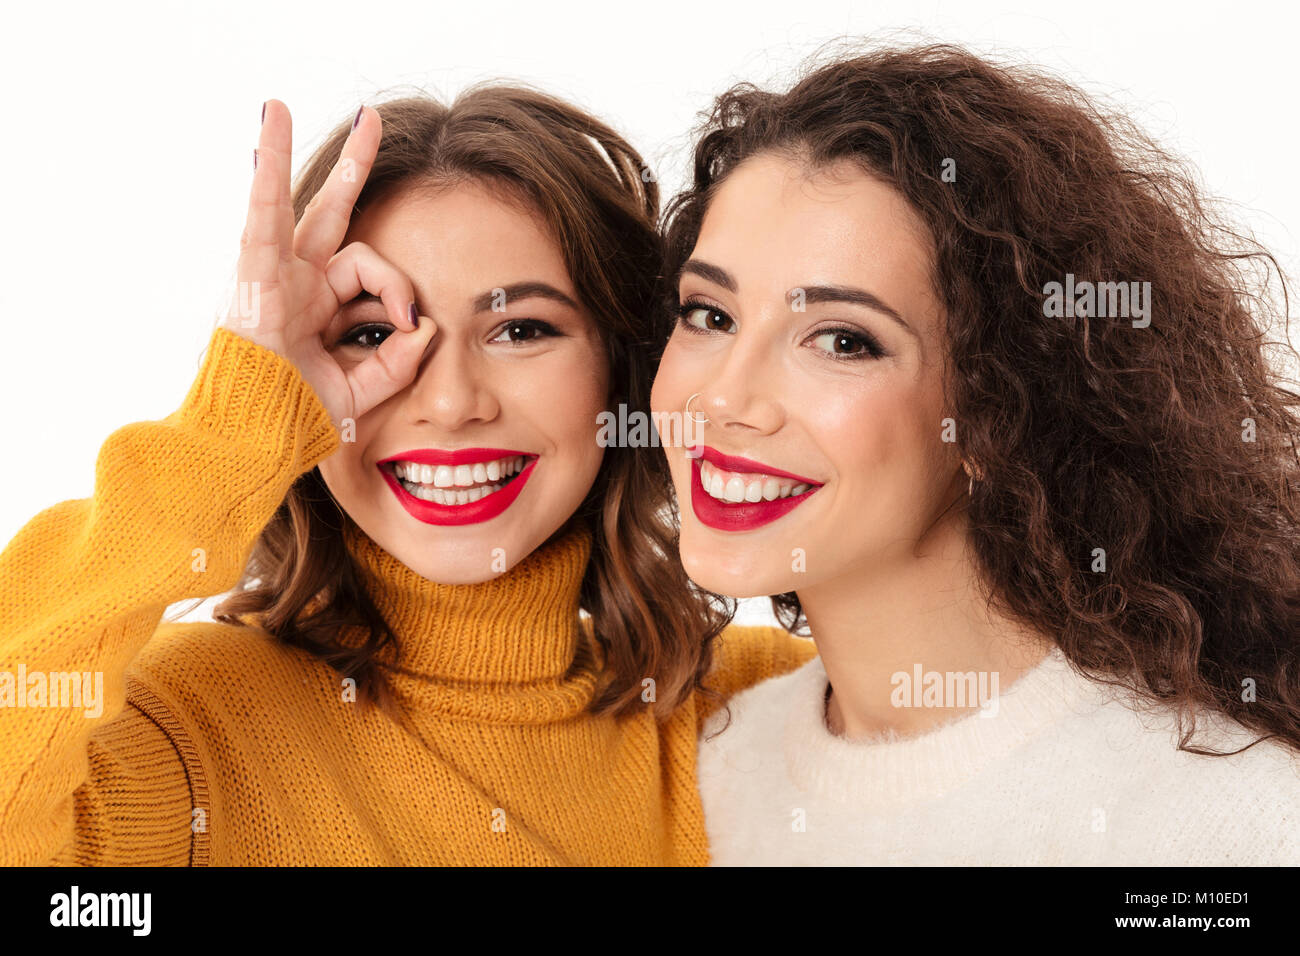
[[516, 331], [857, 344], [691, 308], [355, 334], [537, 326], [840, 343]]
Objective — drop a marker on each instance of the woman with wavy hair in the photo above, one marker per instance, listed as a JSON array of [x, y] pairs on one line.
[[390, 451], [985, 401]]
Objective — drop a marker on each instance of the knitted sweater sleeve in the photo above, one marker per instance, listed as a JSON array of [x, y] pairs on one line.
[[749, 655], [176, 508]]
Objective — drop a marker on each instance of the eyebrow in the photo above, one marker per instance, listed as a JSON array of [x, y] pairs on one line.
[[523, 290], [484, 301], [811, 294]]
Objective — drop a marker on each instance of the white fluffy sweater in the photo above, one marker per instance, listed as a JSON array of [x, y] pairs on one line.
[[1065, 773]]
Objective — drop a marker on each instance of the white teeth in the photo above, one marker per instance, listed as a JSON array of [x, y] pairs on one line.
[[734, 488], [447, 497], [458, 484], [459, 476]]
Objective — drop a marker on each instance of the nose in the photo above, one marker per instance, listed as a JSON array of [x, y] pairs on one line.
[[740, 396], [452, 387]]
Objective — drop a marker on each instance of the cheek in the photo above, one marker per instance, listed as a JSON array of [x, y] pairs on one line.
[[676, 371], [563, 400], [871, 433], [680, 374], [347, 466], [887, 447]]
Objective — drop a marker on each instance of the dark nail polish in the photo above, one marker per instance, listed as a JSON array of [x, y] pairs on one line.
[[358, 117], [263, 111], [254, 159], [415, 317]]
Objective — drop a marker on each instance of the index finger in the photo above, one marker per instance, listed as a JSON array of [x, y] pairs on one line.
[[323, 225]]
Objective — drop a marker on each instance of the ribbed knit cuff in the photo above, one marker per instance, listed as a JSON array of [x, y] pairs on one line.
[[250, 394]]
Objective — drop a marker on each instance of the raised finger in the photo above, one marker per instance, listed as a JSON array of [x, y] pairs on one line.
[[357, 267], [275, 149], [260, 243], [325, 222]]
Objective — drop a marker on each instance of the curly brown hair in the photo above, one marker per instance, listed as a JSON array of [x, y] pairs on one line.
[[593, 191], [1137, 492]]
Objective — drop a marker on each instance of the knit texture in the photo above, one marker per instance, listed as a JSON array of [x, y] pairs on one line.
[[1058, 770], [216, 744]]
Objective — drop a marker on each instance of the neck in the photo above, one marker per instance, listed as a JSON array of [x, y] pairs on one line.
[[920, 612]]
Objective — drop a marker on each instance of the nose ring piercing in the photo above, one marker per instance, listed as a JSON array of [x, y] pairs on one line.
[[690, 414]]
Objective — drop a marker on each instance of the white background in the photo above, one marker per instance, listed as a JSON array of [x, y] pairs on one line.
[[128, 135]]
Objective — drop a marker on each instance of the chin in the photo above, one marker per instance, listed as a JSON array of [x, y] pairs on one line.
[[452, 576], [735, 574], [451, 565]]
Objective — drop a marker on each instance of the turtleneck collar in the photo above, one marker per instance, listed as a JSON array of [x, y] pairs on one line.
[[509, 649]]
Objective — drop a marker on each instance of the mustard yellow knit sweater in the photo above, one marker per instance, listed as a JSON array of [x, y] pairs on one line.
[[217, 745]]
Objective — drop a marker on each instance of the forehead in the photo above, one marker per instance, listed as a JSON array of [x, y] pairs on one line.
[[774, 220], [469, 231]]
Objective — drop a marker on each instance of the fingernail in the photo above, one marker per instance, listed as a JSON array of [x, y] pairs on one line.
[[264, 111], [358, 117], [254, 159], [415, 318]]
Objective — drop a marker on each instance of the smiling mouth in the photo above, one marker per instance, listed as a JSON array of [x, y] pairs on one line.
[[457, 485], [735, 487], [736, 494]]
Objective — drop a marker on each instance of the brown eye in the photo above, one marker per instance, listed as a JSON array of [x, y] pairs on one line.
[[524, 330], [838, 343], [705, 318], [363, 336], [847, 344]]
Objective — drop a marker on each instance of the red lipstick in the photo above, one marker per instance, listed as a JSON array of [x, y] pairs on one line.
[[743, 515], [485, 509]]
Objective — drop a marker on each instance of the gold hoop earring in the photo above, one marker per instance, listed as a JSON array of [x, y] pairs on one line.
[[970, 488], [690, 414]]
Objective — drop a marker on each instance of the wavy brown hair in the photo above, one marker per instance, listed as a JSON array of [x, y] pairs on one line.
[[601, 205], [1170, 448]]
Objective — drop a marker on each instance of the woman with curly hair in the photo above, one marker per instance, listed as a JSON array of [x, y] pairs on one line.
[[985, 402]]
